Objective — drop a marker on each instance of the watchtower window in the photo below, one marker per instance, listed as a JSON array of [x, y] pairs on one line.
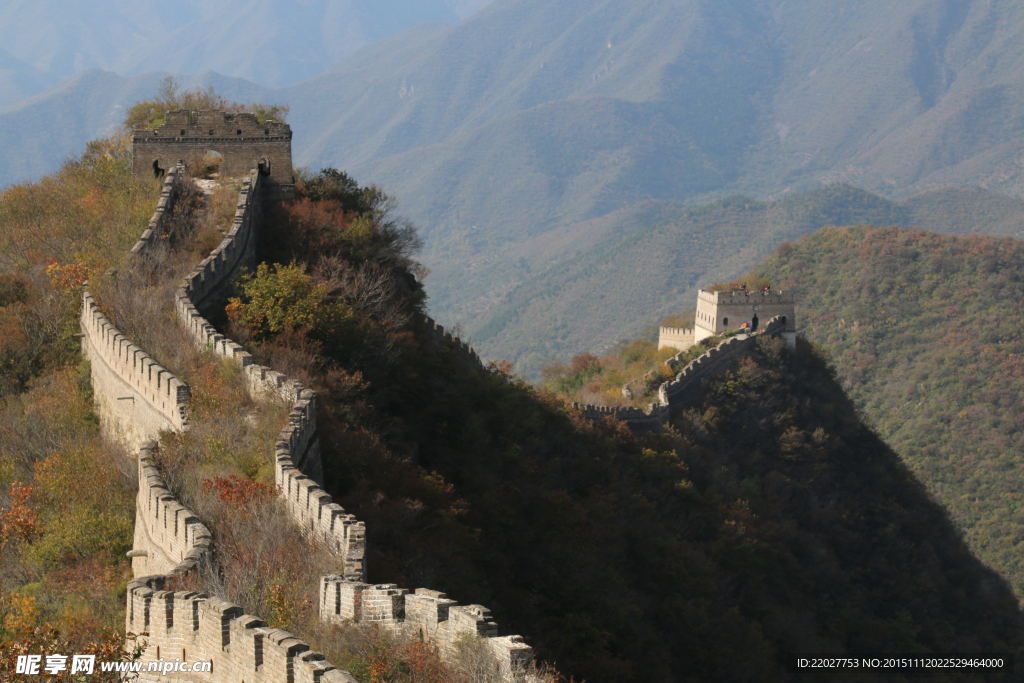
[[211, 131], [266, 131], [725, 321], [238, 132], [182, 131]]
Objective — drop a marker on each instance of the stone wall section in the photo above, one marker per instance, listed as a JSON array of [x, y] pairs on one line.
[[298, 470], [686, 384], [426, 614], [194, 627], [156, 232], [169, 538], [447, 340], [675, 337], [136, 397]]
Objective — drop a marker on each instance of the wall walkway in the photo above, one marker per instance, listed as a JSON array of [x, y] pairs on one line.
[[138, 399]]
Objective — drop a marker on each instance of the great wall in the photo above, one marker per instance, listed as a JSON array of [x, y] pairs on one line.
[[137, 398], [685, 386], [714, 310]]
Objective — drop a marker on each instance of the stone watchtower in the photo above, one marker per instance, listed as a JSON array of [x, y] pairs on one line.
[[721, 311], [240, 139]]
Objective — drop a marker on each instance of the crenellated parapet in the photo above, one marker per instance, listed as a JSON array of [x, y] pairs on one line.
[[193, 627], [297, 466], [156, 232], [425, 614], [210, 282], [725, 311], [447, 340], [137, 398], [686, 384], [649, 420], [169, 538], [675, 337]]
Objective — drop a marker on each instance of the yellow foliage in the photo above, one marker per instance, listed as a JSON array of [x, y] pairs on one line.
[[88, 506], [18, 612]]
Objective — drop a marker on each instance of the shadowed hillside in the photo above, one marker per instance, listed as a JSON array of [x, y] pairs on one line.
[[925, 333]]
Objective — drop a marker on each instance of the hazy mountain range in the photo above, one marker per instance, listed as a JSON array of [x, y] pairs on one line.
[[533, 132], [267, 41]]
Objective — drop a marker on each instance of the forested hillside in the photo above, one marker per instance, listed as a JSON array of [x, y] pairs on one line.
[[769, 520], [605, 281], [926, 333], [67, 497]]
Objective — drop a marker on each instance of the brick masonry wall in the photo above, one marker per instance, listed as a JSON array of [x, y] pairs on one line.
[[153, 237], [298, 469], [446, 340], [737, 307], [194, 627], [675, 337], [169, 538], [136, 397], [686, 384], [424, 614]]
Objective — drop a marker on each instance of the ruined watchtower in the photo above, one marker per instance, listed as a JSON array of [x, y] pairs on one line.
[[242, 141]]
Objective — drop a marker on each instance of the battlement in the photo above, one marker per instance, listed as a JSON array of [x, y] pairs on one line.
[[446, 340], [242, 141], [737, 297], [298, 470], [719, 312], [195, 627], [427, 614], [686, 384], [136, 396], [152, 238], [169, 538], [675, 337]]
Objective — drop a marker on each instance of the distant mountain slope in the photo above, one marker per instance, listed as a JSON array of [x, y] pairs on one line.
[[926, 333], [19, 81], [272, 42], [533, 120], [631, 278]]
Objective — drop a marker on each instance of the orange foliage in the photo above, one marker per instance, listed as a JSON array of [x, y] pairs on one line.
[[67, 277], [19, 522], [236, 491]]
